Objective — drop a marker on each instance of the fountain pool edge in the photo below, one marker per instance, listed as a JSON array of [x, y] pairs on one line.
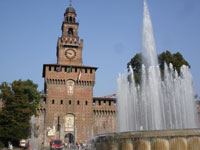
[[184, 139]]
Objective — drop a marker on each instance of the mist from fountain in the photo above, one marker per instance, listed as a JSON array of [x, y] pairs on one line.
[[33, 140], [155, 104]]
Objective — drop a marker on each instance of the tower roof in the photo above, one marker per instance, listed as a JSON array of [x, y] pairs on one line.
[[70, 9]]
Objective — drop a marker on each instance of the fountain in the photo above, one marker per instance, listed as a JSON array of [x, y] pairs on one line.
[[156, 104], [160, 113]]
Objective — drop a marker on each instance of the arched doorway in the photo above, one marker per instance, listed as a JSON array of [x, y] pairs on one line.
[[69, 129], [69, 138]]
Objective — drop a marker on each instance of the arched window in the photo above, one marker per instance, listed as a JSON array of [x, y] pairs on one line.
[[53, 101], [70, 87], [70, 31], [70, 19], [44, 101], [86, 102], [78, 102], [61, 101]]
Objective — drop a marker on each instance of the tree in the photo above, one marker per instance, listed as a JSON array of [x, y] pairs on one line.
[[136, 64], [175, 59], [20, 99]]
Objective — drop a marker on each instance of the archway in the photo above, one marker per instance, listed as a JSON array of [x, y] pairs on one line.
[[69, 138]]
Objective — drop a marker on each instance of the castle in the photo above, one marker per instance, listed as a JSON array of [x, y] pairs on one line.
[[69, 111]]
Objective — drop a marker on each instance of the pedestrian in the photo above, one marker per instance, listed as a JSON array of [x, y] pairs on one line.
[[10, 147]]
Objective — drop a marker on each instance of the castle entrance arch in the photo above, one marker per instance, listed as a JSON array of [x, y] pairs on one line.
[[69, 138]]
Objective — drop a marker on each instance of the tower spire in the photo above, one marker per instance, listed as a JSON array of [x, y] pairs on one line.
[[70, 2]]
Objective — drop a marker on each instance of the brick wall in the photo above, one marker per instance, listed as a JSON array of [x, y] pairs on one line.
[[104, 114]]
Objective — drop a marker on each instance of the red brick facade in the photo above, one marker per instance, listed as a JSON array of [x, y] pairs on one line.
[[104, 115]]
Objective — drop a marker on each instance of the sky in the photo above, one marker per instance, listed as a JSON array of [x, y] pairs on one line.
[[111, 30]]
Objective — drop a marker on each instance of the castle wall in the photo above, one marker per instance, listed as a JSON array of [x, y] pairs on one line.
[[104, 111]]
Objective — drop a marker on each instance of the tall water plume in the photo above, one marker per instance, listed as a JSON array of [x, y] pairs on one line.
[[157, 103]]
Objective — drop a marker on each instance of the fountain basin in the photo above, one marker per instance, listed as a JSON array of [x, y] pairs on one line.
[[184, 139]]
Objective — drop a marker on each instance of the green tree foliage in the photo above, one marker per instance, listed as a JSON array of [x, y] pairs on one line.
[[175, 59], [20, 99], [136, 63], [167, 57]]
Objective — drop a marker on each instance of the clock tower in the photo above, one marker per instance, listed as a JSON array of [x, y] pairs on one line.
[[69, 49], [68, 87]]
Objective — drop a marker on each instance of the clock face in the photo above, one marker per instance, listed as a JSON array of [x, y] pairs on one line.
[[70, 53]]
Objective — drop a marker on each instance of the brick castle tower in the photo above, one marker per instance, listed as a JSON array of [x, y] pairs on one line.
[[68, 87]]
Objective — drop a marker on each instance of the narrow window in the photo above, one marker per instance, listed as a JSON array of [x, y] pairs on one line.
[[61, 102], [86, 102], [70, 102], [99, 102], [78, 102], [91, 71], [85, 70], [53, 101], [75, 69], [70, 31], [44, 102], [49, 68], [110, 103]]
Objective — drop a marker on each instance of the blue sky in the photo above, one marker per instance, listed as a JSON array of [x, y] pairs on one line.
[[111, 30]]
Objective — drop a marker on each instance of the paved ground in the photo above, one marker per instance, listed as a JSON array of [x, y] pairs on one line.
[[47, 148], [12, 149]]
